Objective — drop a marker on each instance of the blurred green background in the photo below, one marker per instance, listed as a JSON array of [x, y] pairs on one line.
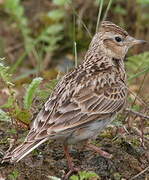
[[46, 38]]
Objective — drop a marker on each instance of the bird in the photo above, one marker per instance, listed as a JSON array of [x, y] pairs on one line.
[[86, 99]]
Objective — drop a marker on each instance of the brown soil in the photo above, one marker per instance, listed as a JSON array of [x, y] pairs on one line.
[[128, 159]]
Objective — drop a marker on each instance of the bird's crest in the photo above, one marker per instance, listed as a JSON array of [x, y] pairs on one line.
[[109, 26]]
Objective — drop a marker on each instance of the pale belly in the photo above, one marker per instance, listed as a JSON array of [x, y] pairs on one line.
[[89, 131]]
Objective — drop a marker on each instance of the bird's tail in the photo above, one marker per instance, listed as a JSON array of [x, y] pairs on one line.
[[21, 151]]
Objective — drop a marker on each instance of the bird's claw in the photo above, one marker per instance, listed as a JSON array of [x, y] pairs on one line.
[[71, 171]]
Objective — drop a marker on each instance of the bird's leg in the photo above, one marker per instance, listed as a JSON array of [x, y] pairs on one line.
[[99, 151], [72, 169]]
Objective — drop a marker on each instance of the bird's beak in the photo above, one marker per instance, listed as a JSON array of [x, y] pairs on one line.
[[138, 41], [132, 41]]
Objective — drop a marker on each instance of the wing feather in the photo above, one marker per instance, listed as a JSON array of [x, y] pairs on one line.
[[80, 106], [90, 102]]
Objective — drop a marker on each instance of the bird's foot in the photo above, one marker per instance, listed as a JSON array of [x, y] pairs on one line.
[[71, 171], [70, 164], [99, 151]]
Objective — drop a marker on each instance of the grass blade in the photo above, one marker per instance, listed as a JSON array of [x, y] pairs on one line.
[[30, 93], [99, 15]]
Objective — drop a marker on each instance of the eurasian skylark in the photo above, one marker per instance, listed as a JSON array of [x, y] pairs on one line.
[[87, 99]]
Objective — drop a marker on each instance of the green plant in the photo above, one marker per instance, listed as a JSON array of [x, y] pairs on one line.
[[44, 93], [84, 175], [4, 73], [16, 11], [31, 91], [14, 175], [21, 113], [138, 65], [4, 116], [14, 110], [6, 78], [46, 41]]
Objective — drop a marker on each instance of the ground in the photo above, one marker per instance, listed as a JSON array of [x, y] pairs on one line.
[[129, 158]]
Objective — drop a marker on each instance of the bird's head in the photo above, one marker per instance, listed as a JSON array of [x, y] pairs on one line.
[[113, 40]]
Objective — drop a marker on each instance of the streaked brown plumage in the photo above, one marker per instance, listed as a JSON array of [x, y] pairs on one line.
[[85, 100]]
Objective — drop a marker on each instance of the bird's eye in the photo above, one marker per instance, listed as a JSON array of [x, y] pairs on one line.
[[118, 39]]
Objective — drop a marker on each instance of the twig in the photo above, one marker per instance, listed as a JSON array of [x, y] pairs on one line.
[[74, 39], [76, 56], [13, 48], [107, 9], [83, 10], [138, 98], [47, 60], [139, 133], [136, 113], [146, 169], [84, 25], [142, 120], [2, 152], [11, 144]]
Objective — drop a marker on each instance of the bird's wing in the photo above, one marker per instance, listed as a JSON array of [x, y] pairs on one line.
[[72, 108], [87, 102]]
